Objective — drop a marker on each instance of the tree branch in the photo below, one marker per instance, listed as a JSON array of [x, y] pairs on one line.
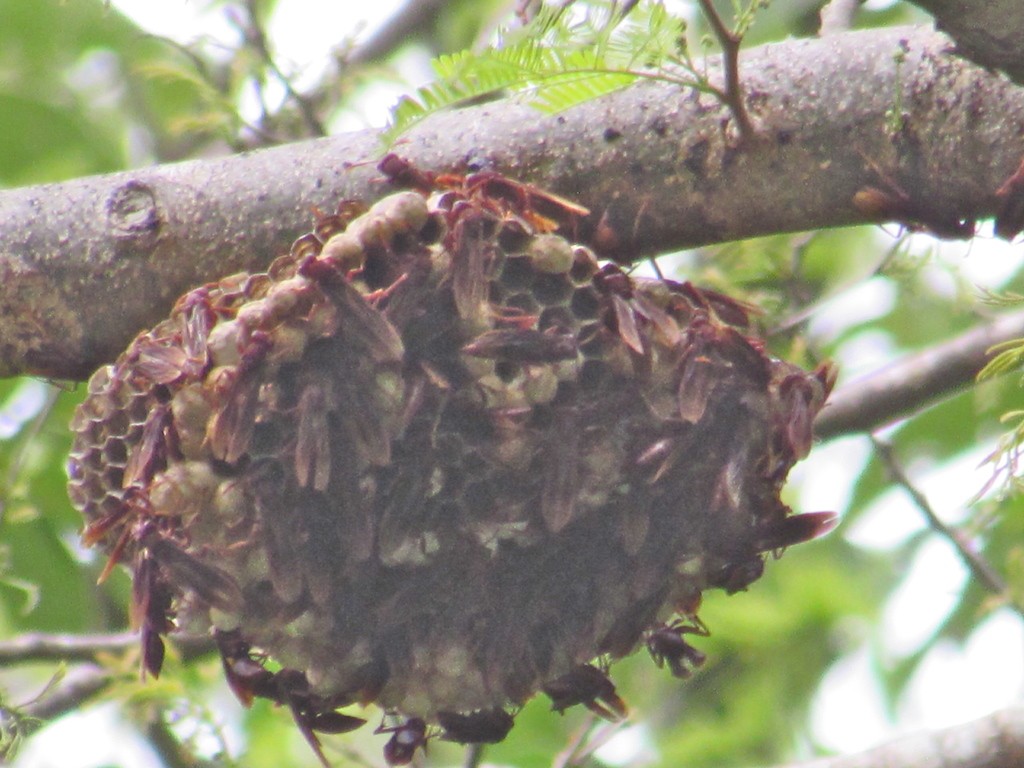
[[37, 646], [173, 753], [915, 381], [989, 33], [255, 36], [79, 686], [403, 26], [86, 264], [980, 568], [995, 741]]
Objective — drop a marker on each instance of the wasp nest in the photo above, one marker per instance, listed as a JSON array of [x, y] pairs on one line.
[[441, 459]]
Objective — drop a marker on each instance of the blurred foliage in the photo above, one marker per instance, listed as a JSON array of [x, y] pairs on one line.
[[83, 90], [71, 94]]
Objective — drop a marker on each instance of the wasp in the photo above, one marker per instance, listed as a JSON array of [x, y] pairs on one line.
[[248, 679], [406, 738], [667, 646], [158, 555], [150, 455], [589, 686], [795, 529], [890, 202], [543, 210], [312, 441], [801, 398], [231, 428], [183, 355], [1010, 198], [487, 726], [523, 345], [736, 576]]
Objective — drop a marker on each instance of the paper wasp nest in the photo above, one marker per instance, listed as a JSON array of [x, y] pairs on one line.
[[442, 461]]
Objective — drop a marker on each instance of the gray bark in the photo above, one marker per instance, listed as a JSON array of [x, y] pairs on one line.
[[86, 264]]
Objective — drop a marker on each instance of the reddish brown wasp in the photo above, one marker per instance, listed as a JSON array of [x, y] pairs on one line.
[[246, 676], [487, 726], [312, 442], [589, 686], [726, 308], [697, 382], [736, 576], [543, 210], [617, 288], [367, 326], [1010, 198], [150, 455], [801, 398], [797, 395], [157, 556], [523, 346], [406, 738], [249, 679], [667, 646], [795, 529], [663, 323], [231, 428], [633, 315], [311, 713], [890, 202], [151, 607], [184, 354]]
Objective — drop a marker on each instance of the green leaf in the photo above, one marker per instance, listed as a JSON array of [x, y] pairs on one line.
[[558, 61], [1009, 356]]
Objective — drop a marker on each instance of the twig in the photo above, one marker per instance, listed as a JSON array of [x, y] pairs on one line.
[[598, 738], [35, 647], [732, 96], [837, 16], [979, 567], [172, 753], [79, 686], [915, 381], [31, 432], [256, 36], [583, 743], [565, 757], [353, 755], [65, 692], [220, 81], [405, 23], [474, 756], [21, 450]]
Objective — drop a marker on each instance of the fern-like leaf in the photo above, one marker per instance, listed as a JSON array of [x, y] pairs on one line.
[[1009, 357], [559, 93], [559, 60]]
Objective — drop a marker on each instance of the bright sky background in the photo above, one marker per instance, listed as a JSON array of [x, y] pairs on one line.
[[952, 685]]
